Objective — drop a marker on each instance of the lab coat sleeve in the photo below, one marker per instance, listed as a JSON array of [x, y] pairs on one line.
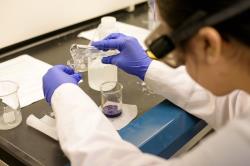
[[178, 87], [88, 138]]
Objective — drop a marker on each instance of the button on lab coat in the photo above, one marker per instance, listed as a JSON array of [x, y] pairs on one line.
[[89, 139]]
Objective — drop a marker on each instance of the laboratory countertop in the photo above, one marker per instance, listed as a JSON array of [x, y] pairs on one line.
[[30, 147]]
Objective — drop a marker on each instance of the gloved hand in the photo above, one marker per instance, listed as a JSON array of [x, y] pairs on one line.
[[132, 58], [57, 76]]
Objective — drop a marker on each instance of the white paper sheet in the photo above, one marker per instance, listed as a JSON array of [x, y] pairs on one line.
[[130, 30], [27, 72], [46, 125]]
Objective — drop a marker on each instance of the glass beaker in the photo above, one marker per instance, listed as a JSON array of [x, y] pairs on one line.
[[98, 73], [10, 114], [111, 97], [79, 55]]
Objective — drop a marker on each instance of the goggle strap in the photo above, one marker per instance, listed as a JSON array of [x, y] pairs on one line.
[[161, 46]]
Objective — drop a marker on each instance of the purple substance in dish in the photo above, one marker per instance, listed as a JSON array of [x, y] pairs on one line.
[[111, 111]]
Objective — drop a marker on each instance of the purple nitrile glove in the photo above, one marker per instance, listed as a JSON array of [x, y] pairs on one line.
[[132, 58], [57, 76]]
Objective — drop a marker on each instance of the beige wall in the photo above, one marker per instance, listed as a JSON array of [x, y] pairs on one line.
[[23, 19]]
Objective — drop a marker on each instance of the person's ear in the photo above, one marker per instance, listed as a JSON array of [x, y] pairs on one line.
[[211, 43]]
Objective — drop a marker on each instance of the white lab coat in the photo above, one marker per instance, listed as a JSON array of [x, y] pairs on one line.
[[88, 138]]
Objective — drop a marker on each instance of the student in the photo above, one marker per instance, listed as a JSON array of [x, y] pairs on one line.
[[216, 62]]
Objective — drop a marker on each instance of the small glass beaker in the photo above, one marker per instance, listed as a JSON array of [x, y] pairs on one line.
[[76, 66], [111, 97], [80, 55], [10, 114]]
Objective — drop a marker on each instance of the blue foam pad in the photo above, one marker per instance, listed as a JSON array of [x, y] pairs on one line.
[[162, 130]]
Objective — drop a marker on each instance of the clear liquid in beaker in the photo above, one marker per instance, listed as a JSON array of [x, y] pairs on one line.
[[10, 114], [9, 117], [98, 73]]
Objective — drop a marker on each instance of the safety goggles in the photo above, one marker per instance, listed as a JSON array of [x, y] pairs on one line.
[[160, 45]]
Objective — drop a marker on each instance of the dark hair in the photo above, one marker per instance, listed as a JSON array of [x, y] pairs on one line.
[[175, 12]]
